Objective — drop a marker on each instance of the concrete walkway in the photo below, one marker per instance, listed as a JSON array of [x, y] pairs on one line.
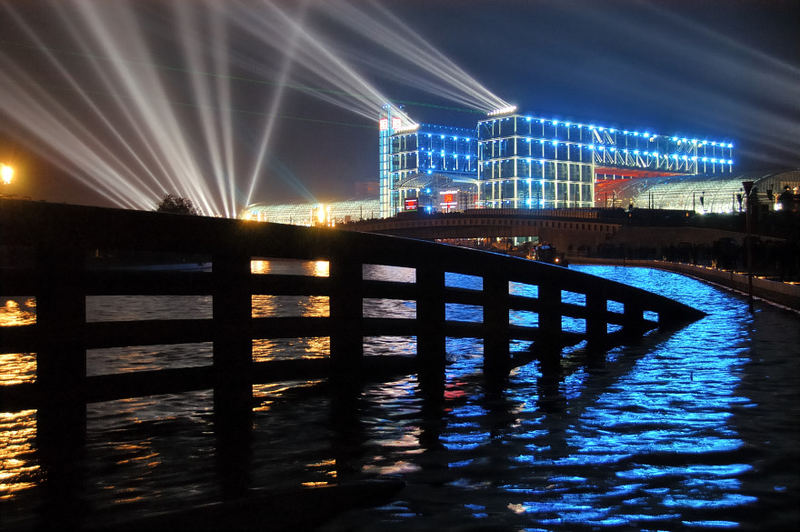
[[779, 293]]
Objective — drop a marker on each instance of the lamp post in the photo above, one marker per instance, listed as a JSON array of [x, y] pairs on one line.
[[748, 186]]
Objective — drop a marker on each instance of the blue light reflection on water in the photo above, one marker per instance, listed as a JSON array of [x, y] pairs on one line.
[[654, 438]]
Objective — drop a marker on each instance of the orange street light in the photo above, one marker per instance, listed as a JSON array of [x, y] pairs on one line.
[[6, 173]]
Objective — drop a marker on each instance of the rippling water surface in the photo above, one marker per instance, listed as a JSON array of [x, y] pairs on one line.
[[694, 429]]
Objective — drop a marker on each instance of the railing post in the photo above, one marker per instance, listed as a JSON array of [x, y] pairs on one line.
[[61, 359], [346, 313], [431, 351], [232, 314], [548, 346], [495, 321], [233, 363], [633, 319], [596, 314], [61, 372]]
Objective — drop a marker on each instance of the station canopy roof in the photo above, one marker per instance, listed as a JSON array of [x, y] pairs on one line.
[[703, 193]]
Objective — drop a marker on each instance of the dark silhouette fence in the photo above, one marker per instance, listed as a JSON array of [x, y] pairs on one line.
[[49, 251]]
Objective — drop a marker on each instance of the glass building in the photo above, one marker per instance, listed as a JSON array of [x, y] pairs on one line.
[[424, 164], [513, 160]]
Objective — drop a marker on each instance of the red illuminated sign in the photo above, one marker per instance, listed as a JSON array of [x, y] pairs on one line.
[[411, 204]]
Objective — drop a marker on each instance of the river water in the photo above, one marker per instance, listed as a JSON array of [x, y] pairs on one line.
[[697, 429]]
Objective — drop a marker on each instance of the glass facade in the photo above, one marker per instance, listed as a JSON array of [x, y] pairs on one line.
[[430, 150], [520, 161]]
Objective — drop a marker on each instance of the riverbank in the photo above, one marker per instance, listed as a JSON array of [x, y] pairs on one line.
[[776, 292]]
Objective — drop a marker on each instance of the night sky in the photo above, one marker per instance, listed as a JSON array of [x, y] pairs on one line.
[[722, 69]]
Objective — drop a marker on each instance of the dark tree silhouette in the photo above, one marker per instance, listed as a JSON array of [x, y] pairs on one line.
[[176, 205]]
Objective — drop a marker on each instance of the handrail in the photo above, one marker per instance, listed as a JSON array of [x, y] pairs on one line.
[[46, 251]]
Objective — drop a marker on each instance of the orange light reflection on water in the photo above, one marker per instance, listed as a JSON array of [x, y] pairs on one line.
[[18, 469], [17, 368]]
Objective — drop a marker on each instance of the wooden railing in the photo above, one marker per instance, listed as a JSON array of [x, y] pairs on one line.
[[48, 251]]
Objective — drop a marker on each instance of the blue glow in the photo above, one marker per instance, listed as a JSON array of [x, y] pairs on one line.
[[713, 159], [600, 148], [591, 146], [730, 161], [646, 134], [625, 132], [430, 172], [528, 139], [527, 119], [567, 124], [674, 155], [591, 127], [647, 153], [684, 139], [705, 159], [730, 145], [555, 122], [601, 128], [612, 149], [674, 139], [442, 137], [635, 133], [612, 130], [655, 154], [555, 143], [685, 158], [713, 143], [636, 152], [468, 157]]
